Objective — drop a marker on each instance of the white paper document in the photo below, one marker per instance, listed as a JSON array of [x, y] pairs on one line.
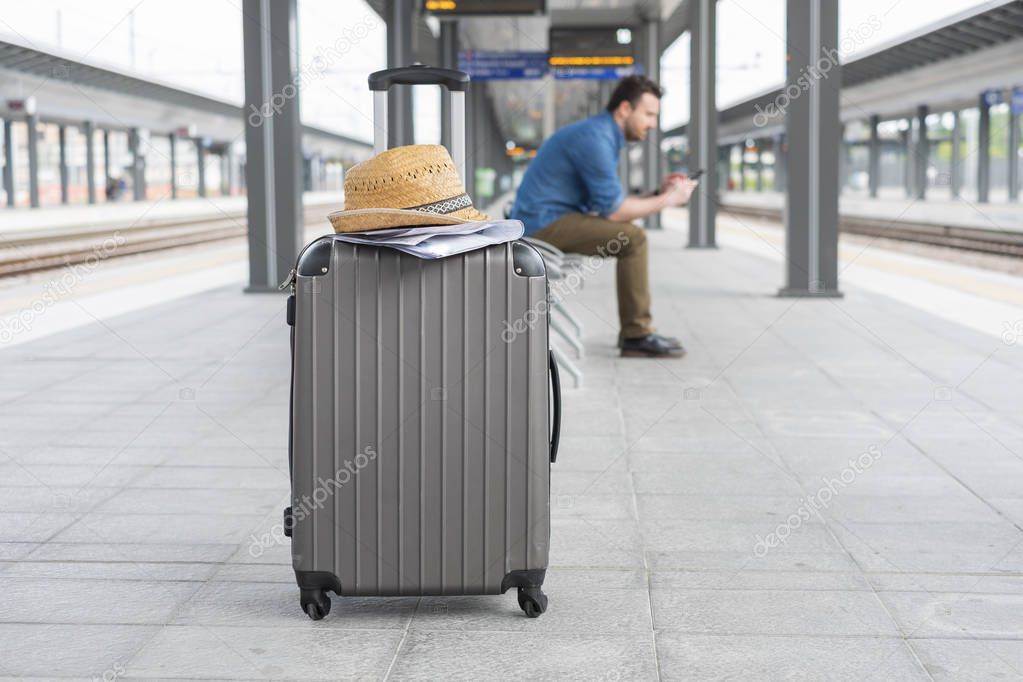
[[439, 241]]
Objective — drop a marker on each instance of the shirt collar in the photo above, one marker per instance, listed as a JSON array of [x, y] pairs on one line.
[[619, 136]]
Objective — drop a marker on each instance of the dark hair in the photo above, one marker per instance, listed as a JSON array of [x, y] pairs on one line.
[[631, 88]]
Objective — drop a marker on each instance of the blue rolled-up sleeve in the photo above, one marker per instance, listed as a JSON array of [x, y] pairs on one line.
[[596, 162]]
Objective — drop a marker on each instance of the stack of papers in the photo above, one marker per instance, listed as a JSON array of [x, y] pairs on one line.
[[439, 241]]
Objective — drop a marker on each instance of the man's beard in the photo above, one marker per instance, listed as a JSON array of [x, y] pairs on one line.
[[633, 135]]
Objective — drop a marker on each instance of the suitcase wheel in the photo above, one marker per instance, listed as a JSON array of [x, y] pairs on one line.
[[532, 601], [315, 603]]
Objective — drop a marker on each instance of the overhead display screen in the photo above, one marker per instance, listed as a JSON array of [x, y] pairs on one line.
[[603, 46], [484, 7]]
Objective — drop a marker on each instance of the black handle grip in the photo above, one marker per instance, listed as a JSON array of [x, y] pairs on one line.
[[419, 74], [556, 417]]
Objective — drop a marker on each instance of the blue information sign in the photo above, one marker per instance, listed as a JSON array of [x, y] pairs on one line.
[[1017, 101], [993, 97], [604, 73], [486, 65]]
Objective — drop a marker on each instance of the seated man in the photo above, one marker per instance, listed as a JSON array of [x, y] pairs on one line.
[[571, 197]]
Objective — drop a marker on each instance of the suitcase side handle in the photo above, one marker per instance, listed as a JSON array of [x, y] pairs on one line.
[[419, 74], [556, 417]]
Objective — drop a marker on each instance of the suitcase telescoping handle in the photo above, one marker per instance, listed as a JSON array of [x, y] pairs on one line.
[[556, 416], [454, 82]]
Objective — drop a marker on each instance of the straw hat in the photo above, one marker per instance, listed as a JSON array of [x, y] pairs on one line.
[[404, 186]]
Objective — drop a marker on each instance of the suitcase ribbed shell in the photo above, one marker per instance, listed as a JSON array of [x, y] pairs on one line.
[[420, 422]]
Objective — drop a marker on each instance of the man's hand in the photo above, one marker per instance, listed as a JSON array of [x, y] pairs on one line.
[[677, 189]]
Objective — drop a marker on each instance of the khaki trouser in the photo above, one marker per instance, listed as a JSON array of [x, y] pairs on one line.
[[595, 236]]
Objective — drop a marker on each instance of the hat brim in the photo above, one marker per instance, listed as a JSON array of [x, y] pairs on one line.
[[367, 219]]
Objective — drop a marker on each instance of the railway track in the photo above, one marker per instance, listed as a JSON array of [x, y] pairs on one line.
[[981, 240], [33, 253]]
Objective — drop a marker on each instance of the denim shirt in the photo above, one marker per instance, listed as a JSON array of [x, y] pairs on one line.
[[574, 171]]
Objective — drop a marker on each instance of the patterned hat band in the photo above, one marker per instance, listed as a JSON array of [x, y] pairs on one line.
[[449, 205]]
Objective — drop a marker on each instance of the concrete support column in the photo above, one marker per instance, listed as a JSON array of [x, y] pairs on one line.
[[703, 118], [32, 120], [274, 163], [398, 15], [138, 165], [9, 161], [62, 162], [955, 173], [106, 160], [874, 157], [781, 174], [172, 139], [1013, 155], [449, 60], [907, 164], [721, 177], [89, 130], [200, 160], [813, 131], [760, 165], [922, 152], [742, 167], [983, 150], [652, 143]]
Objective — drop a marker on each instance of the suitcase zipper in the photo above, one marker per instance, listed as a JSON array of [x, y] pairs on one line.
[[289, 282]]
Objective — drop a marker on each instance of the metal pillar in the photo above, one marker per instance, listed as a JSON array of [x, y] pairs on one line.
[[921, 152], [907, 166], [398, 15], [273, 165], [742, 167], [652, 143], [760, 166], [33, 159], [172, 139], [813, 130], [106, 160], [874, 157], [138, 165], [955, 174], [723, 163], [9, 161], [449, 60], [983, 150], [1013, 154], [200, 159], [88, 130], [781, 170], [703, 117], [62, 162]]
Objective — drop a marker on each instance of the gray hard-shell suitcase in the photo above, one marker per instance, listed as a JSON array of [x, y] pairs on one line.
[[422, 430]]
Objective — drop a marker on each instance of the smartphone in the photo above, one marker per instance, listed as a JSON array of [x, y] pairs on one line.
[[692, 176]]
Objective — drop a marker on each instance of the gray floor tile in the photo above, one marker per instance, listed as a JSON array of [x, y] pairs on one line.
[[572, 609], [277, 604], [246, 502], [770, 612], [161, 528], [97, 570], [115, 602], [81, 651], [490, 655], [684, 656], [309, 651], [949, 614], [970, 659]]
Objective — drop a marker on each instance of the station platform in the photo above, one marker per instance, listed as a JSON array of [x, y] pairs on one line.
[[821, 489], [73, 219], [893, 209]]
